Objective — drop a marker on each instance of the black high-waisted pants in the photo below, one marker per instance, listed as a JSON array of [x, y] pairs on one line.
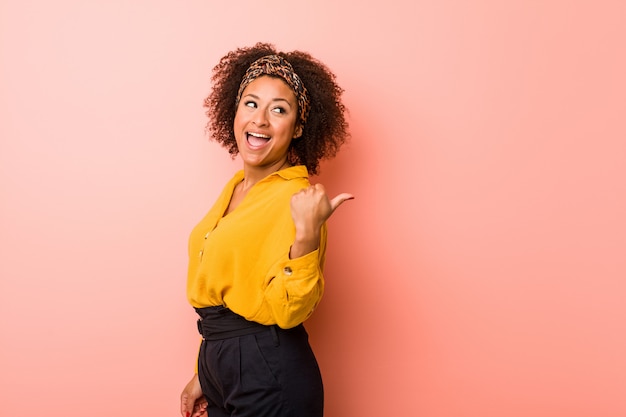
[[250, 370]]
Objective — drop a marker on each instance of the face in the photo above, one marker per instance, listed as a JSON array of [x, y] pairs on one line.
[[265, 123]]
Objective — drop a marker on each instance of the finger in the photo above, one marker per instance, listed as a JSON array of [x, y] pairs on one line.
[[184, 407], [340, 199], [201, 411], [318, 186], [200, 406]]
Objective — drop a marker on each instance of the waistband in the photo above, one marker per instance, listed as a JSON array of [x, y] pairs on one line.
[[219, 322]]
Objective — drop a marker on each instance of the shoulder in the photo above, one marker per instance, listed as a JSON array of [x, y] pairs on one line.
[[275, 191], [297, 172], [291, 179]]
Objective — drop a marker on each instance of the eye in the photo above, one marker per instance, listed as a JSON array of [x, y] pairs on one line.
[[279, 110], [250, 104]]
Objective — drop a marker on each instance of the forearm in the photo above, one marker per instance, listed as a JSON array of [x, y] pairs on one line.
[[306, 241], [296, 285], [295, 289]]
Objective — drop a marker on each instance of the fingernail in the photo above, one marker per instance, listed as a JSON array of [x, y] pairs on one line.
[[187, 413]]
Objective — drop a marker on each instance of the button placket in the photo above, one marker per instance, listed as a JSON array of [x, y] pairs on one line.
[[206, 236]]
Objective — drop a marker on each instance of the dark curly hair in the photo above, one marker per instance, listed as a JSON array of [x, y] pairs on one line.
[[326, 128]]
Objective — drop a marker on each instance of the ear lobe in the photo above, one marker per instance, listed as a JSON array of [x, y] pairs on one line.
[[298, 132]]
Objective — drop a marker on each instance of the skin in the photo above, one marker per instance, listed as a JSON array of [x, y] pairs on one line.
[[265, 124]]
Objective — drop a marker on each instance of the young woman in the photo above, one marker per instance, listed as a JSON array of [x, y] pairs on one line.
[[256, 259]]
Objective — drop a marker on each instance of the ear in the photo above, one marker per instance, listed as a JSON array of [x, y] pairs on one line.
[[298, 132]]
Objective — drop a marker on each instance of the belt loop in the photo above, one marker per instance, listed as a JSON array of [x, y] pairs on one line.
[[275, 335]]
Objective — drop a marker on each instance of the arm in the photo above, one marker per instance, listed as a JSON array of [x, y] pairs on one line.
[[296, 286]]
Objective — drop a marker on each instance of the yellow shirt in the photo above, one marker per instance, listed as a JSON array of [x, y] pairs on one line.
[[241, 260]]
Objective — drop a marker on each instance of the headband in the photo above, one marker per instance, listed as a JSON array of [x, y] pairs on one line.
[[278, 67]]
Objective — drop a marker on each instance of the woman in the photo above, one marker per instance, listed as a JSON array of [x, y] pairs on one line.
[[256, 259]]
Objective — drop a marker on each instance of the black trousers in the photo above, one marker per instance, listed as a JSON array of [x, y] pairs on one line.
[[250, 370]]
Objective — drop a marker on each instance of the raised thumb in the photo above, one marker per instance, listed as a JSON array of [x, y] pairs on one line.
[[340, 199]]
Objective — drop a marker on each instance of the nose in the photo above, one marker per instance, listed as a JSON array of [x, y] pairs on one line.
[[260, 118]]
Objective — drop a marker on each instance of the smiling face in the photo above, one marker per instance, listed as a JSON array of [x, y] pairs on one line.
[[265, 123]]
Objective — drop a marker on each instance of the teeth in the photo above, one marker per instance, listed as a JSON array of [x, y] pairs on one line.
[[258, 135]]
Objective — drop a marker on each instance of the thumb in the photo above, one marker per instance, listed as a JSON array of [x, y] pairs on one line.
[[339, 200]]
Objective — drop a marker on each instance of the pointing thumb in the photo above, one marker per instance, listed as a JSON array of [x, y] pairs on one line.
[[340, 199]]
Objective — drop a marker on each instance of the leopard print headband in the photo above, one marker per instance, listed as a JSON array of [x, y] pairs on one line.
[[277, 66]]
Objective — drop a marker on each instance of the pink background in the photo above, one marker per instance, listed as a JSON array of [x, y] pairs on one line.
[[479, 272]]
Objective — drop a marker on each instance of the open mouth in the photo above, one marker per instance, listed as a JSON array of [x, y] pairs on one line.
[[257, 139]]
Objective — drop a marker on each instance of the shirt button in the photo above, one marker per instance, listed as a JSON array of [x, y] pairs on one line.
[[287, 270]]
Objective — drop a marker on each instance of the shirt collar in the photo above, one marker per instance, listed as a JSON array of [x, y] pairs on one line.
[[297, 171]]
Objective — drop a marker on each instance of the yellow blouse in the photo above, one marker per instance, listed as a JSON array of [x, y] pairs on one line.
[[241, 260]]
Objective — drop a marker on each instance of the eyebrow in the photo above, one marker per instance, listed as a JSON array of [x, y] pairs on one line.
[[274, 99]]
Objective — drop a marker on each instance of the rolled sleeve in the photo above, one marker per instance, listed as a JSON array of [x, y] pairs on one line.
[[294, 289]]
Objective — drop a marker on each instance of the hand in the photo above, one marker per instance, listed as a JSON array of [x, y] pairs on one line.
[[310, 208], [192, 402]]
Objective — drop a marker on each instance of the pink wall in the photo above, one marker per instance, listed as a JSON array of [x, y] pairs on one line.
[[479, 272]]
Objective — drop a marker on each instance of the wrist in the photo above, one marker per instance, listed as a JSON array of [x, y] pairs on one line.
[[304, 243]]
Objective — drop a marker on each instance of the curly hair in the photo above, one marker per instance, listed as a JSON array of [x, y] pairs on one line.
[[326, 128]]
